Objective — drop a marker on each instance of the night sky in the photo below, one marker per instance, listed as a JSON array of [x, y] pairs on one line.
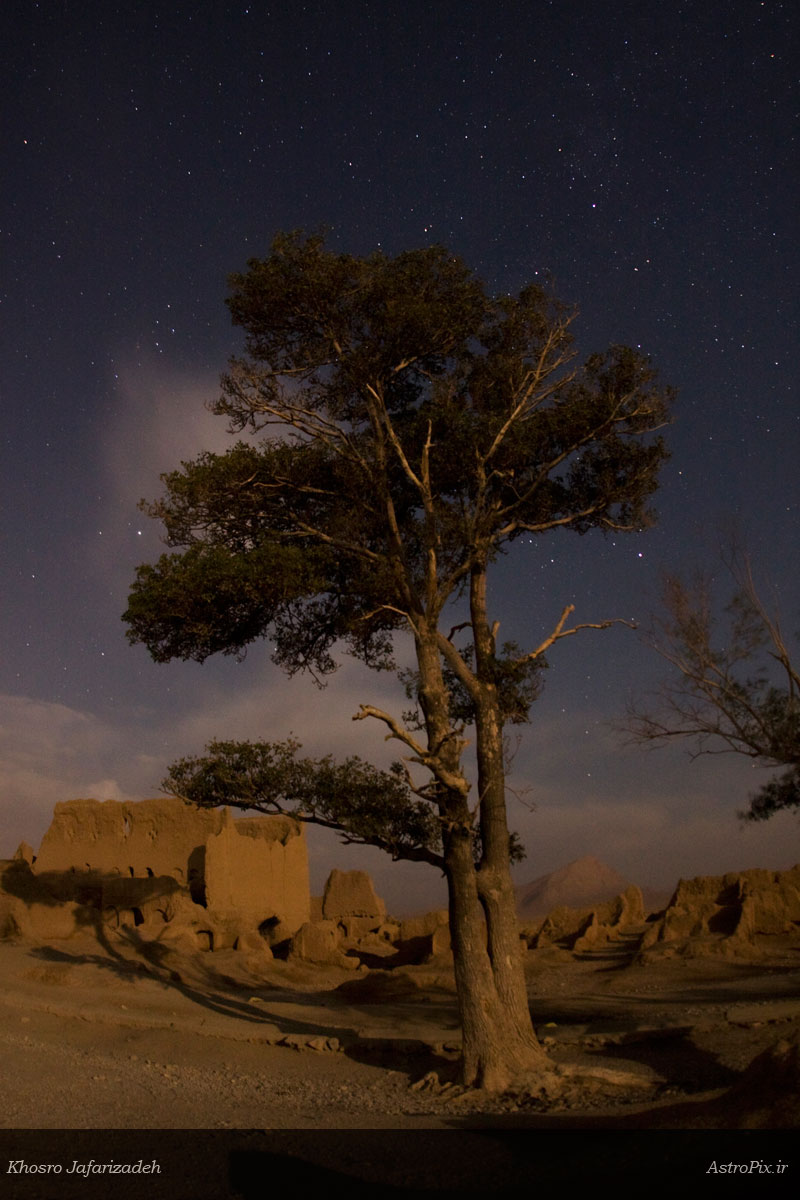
[[644, 155]]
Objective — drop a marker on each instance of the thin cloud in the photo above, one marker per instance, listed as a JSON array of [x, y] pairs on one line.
[[48, 753], [160, 421]]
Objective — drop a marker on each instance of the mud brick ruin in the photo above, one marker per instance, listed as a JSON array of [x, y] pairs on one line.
[[163, 863], [162, 871]]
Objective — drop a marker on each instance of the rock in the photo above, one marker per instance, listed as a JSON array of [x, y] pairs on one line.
[[374, 950], [355, 929], [323, 1044], [637, 1075], [318, 942], [561, 922], [416, 927], [24, 853], [424, 938], [625, 909], [252, 943], [733, 915], [302, 1041], [767, 1096], [586, 929], [350, 962], [351, 894], [590, 935], [14, 920], [440, 942], [180, 938], [57, 920]]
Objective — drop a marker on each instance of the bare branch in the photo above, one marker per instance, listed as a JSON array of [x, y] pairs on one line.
[[387, 426], [424, 758], [724, 697], [560, 632], [531, 394]]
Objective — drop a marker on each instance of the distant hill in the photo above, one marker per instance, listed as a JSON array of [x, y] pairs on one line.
[[579, 884]]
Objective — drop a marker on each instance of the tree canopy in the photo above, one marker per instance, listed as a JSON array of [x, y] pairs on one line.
[[394, 379], [367, 805]]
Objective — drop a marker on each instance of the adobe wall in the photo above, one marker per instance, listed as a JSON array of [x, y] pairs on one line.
[[157, 837], [257, 868], [247, 871]]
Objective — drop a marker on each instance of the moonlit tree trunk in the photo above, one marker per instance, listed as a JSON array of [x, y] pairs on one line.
[[498, 1038], [495, 886]]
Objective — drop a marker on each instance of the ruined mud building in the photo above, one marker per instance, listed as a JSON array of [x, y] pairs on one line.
[[161, 871], [162, 862]]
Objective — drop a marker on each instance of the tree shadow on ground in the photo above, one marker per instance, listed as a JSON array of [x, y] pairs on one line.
[[89, 893], [408, 1056], [678, 1060], [153, 966], [130, 946]]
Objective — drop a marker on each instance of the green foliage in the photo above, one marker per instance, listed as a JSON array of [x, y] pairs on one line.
[[374, 368], [413, 427], [780, 794], [242, 573], [366, 805]]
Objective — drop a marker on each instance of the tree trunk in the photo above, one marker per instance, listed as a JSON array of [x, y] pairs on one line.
[[498, 1038], [494, 1049], [495, 886]]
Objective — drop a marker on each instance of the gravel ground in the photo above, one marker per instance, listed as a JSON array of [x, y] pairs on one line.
[[87, 1043], [100, 1052]]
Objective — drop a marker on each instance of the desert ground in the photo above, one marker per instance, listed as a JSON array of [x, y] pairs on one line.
[[134, 1010], [107, 1034], [102, 1033]]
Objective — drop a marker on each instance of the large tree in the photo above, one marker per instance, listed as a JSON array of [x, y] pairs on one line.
[[733, 687], [415, 427]]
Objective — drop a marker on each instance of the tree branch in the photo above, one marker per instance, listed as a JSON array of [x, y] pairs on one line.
[[425, 758], [560, 632]]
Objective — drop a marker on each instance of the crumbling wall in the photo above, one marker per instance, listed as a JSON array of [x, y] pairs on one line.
[[256, 869], [583, 928], [140, 838], [350, 915], [145, 862], [727, 914], [350, 901]]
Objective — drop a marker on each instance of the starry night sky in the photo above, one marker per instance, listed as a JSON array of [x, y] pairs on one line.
[[645, 155]]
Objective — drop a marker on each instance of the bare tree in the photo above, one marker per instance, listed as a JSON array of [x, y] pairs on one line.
[[734, 687]]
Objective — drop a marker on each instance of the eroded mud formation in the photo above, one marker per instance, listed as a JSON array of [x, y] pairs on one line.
[[200, 879]]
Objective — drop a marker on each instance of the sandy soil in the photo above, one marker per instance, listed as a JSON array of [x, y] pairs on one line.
[[115, 1036], [278, 1078]]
